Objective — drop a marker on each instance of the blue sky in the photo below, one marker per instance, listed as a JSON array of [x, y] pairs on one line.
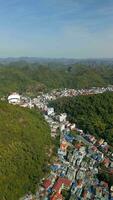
[[56, 28]]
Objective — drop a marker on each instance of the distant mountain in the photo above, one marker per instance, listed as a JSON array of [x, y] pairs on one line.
[[32, 78], [58, 60]]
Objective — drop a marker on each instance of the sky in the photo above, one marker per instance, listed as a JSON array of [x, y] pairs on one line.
[[56, 28]]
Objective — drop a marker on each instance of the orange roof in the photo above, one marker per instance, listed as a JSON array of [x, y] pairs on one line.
[[78, 145], [79, 182], [56, 196]]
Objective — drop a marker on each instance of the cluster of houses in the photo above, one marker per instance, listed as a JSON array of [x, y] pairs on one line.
[[41, 100], [80, 157], [57, 93], [75, 174]]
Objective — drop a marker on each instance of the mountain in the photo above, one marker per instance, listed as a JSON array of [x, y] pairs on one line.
[[31, 78], [24, 143], [65, 61]]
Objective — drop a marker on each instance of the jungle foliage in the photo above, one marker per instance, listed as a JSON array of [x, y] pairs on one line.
[[93, 113], [31, 78], [24, 143]]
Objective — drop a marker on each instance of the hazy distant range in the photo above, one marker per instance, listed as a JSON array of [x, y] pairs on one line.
[[94, 61]]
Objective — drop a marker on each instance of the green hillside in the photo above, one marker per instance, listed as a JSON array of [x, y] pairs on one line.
[[32, 78], [94, 114], [24, 143]]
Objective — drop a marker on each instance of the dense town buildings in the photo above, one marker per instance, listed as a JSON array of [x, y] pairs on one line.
[[79, 157]]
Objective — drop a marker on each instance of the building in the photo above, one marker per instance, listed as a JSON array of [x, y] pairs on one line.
[[64, 145], [50, 111], [14, 98], [62, 183], [56, 196], [73, 126], [62, 117], [47, 184]]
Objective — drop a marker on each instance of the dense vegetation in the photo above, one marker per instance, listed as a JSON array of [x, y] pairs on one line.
[[94, 113], [31, 78], [24, 143]]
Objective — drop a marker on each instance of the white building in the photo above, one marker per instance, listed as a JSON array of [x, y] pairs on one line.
[[73, 126], [14, 98], [62, 127], [50, 111], [62, 117]]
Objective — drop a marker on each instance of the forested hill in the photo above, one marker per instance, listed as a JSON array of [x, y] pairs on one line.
[[94, 114], [24, 143], [31, 78]]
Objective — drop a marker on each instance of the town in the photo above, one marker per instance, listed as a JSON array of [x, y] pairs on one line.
[[80, 156]]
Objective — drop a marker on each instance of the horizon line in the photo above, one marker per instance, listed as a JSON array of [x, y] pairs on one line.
[[57, 58]]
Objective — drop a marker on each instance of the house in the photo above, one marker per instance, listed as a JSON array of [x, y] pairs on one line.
[[105, 147], [62, 183], [64, 145], [82, 150], [62, 117], [111, 188], [74, 187], [47, 184], [71, 173], [56, 196], [69, 138], [106, 162], [62, 127], [64, 171], [80, 131], [92, 149], [78, 193], [101, 141], [53, 133], [78, 145], [73, 126], [61, 153], [50, 111], [55, 167], [92, 138]]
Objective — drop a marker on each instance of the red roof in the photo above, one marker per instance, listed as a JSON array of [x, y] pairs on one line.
[[111, 171], [84, 194], [104, 184], [60, 182], [56, 196], [47, 184], [94, 148], [106, 161]]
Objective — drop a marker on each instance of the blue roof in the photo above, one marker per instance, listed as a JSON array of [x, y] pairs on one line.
[[49, 190], [62, 174], [74, 184], [90, 190], [55, 167], [69, 137]]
